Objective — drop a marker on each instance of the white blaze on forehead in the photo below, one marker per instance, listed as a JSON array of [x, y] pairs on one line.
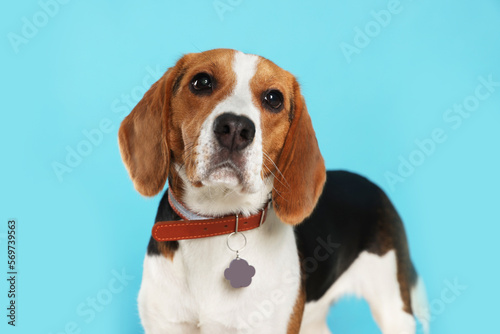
[[244, 66]]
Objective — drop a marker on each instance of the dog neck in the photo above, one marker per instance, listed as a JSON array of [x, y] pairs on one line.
[[181, 209], [216, 201]]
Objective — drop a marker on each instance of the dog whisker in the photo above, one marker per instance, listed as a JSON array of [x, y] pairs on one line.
[[273, 187], [286, 184]]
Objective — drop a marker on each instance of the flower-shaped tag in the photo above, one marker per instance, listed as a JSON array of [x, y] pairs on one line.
[[239, 273]]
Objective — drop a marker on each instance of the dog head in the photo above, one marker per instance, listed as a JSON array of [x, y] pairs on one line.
[[227, 129]]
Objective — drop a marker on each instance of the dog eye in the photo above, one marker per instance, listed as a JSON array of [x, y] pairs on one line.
[[273, 100], [201, 83]]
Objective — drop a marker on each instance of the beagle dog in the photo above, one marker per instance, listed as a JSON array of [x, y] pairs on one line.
[[246, 181]]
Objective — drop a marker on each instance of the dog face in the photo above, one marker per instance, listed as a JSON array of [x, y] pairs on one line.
[[222, 111], [222, 121]]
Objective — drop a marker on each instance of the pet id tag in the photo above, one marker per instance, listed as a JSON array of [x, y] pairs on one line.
[[240, 273]]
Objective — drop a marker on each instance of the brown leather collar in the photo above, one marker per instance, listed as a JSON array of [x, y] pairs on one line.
[[205, 226]]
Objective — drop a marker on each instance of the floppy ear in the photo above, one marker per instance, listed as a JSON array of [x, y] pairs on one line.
[[303, 173], [143, 138]]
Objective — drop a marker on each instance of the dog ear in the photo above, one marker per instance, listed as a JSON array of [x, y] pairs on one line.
[[143, 137], [303, 174]]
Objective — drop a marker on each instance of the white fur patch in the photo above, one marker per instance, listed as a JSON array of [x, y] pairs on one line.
[[374, 278], [219, 200], [190, 295]]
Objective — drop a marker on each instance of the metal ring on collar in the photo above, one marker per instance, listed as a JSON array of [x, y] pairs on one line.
[[236, 250]]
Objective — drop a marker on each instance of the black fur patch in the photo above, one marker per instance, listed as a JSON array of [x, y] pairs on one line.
[[352, 215], [164, 213]]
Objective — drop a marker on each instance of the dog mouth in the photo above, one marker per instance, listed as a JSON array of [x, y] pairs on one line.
[[225, 173]]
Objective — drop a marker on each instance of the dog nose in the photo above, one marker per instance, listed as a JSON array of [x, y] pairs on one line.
[[234, 132]]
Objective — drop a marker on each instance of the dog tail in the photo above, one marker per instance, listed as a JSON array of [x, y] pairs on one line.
[[420, 304]]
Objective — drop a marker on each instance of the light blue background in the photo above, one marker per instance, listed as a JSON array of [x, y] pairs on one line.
[[367, 112]]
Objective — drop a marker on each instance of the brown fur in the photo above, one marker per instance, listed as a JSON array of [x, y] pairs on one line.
[[168, 248], [298, 310], [163, 127], [189, 111], [274, 126], [143, 137], [303, 172]]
